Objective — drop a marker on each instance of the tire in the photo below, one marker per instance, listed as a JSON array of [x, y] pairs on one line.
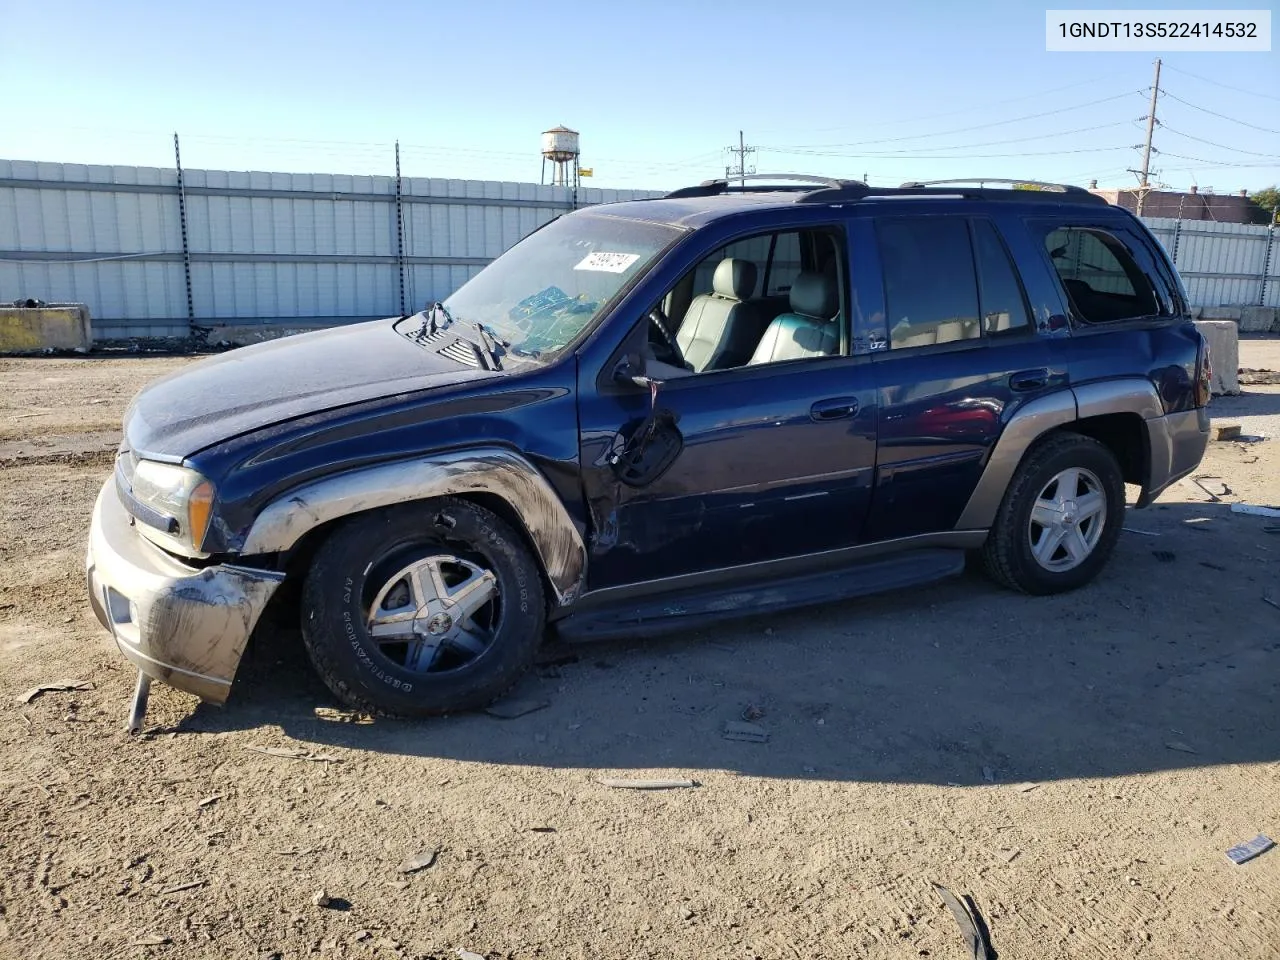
[[1020, 552], [394, 573]]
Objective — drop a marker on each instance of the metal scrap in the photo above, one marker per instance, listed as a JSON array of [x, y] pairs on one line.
[[1255, 511], [1244, 852], [55, 686], [972, 927], [648, 784]]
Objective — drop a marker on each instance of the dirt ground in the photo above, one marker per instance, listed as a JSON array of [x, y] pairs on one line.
[[903, 732]]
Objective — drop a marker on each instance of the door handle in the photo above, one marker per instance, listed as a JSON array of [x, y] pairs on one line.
[[1025, 380], [837, 408]]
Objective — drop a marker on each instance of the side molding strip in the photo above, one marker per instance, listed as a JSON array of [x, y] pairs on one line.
[[491, 470], [1028, 424]]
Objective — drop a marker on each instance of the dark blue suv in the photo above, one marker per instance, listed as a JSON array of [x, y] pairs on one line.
[[655, 414]]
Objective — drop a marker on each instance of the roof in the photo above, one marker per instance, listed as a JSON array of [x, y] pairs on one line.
[[715, 199]]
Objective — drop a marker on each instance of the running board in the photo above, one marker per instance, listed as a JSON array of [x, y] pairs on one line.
[[689, 609]]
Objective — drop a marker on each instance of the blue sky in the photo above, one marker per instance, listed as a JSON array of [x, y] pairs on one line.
[[896, 90]]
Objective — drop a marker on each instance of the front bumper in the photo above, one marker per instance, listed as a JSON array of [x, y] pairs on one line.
[[1177, 444], [184, 625]]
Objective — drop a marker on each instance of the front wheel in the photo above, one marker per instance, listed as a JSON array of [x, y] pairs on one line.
[[1060, 517], [422, 609]]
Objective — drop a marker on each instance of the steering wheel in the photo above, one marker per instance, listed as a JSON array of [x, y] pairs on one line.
[[672, 353]]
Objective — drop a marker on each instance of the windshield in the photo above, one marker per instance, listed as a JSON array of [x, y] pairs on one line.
[[551, 285]]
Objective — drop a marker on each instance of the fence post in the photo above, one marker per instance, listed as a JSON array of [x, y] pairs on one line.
[[399, 228], [1177, 231], [182, 219], [1266, 259]]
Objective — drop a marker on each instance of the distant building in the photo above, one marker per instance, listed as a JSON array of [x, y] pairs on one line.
[[1192, 205]]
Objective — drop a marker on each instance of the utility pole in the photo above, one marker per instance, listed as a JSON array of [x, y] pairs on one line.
[[1144, 186], [741, 170]]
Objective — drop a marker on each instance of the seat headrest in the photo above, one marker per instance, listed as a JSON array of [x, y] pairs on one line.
[[734, 278], [815, 295]]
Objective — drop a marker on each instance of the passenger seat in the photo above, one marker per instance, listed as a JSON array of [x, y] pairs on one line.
[[719, 329], [811, 329]]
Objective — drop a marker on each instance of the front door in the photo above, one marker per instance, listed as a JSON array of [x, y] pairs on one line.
[[768, 459]]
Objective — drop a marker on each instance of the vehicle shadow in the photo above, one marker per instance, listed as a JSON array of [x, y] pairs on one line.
[[1170, 659]]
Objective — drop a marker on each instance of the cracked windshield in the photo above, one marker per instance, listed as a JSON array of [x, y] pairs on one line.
[[548, 288]]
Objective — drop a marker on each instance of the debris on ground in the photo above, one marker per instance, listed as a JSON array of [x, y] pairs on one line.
[[152, 940], [1224, 431], [1213, 486], [752, 712], [210, 800], [1255, 511], [1009, 855], [290, 753], [1180, 747], [542, 829], [514, 707], [1164, 556], [464, 954], [321, 898], [972, 927], [182, 886], [1027, 787], [55, 686], [748, 732], [1268, 600], [1244, 852], [648, 784], [1141, 533], [419, 861], [342, 716], [1250, 375]]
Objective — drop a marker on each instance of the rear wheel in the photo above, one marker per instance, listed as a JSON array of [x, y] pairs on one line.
[[422, 609], [1060, 518]]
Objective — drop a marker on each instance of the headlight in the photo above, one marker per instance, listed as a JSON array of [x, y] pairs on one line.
[[178, 494]]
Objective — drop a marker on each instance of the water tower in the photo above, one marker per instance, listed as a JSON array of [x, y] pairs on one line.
[[560, 146]]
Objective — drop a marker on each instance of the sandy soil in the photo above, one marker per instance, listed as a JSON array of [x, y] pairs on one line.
[[903, 730]]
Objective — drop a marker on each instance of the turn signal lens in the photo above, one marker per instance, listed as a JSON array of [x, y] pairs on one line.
[[199, 510]]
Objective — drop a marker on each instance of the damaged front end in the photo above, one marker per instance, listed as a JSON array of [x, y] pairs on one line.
[[182, 624]]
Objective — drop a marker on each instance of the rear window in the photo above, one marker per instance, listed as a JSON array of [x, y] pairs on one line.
[[1102, 277]]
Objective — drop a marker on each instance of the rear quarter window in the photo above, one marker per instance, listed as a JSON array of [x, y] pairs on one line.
[[1103, 275]]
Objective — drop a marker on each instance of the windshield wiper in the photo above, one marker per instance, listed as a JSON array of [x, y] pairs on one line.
[[491, 344]]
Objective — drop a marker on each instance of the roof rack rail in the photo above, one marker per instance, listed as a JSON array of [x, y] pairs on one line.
[[981, 182], [800, 183], [810, 189]]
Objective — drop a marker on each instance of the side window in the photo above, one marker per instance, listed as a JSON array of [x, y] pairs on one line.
[[767, 298], [931, 294], [1103, 281], [1004, 305]]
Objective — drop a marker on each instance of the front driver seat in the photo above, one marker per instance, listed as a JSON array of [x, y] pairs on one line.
[[720, 330], [811, 329]]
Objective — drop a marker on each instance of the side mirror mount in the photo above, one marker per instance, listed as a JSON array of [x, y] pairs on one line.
[[631, 369]]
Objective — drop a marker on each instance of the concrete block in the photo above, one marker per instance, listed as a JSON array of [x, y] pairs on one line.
[[1224, 354], [57, 326], [1219, 313], [1260, 319]]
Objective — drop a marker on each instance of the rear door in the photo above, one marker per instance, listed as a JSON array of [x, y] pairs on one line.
[[958, 353]]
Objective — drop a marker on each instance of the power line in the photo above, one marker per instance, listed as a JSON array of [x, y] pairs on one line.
[[980, 126], [989, 143], [1219, 83], [1212, 163], [1220, 116], [984, 105], [1220, 146]]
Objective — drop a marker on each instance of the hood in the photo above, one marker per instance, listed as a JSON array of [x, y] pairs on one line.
[[253, 387]]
